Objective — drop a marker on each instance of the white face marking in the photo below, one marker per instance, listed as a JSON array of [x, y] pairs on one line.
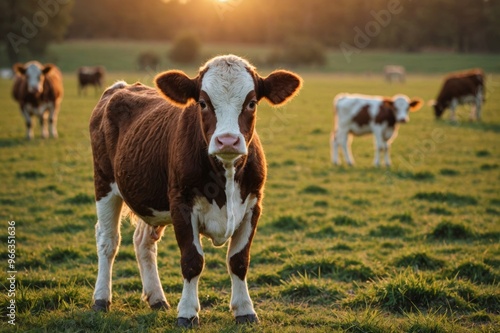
[[227, 82], [402, 104], [34, 77]]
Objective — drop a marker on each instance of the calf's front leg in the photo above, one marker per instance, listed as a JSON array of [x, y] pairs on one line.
[[53, 114], [238, 260], [453, 106], [192, 261], [27, 119]]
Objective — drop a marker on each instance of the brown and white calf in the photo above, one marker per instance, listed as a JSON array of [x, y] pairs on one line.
[[461, 88], [361, 114], [185, 154], [90, 76], [39, 91]]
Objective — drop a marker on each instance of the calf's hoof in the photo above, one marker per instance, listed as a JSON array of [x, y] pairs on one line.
[[101, 305], [188, 322], [161, 305], [247, 319]]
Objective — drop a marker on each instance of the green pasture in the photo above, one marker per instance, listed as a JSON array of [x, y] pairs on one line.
[[414, 248], [118, 55]]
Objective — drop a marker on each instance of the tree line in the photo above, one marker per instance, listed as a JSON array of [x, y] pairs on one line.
[[345, 25]]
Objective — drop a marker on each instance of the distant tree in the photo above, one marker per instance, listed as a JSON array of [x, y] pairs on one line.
[[29, 26], [186, 48], [298, 51]]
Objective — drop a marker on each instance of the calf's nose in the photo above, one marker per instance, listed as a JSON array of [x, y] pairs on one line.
[[227, 142]]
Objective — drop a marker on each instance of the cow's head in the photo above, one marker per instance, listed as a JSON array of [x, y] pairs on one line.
[[438, 109], [227, 90], [403, 106], [34, 73]]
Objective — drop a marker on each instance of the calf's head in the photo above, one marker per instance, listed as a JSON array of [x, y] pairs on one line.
[[227, 90], [403, 106], [34, 73]]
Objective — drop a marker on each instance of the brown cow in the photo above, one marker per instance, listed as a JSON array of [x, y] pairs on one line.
[[90, 76], [39, 91], [461, 88], [185, 154]]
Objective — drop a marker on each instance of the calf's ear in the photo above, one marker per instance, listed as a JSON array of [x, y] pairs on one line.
[[19, 68], [177, 87], [416, 104], [279, 87], [47, 68]]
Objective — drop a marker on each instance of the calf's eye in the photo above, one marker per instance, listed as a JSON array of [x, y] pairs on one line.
[[202, 104], [252, 105]]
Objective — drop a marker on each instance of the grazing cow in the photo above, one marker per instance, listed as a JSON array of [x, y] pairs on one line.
[[39, 91], [90, 76], [360, 114], [394, 72], [461, 88], [185, 154]]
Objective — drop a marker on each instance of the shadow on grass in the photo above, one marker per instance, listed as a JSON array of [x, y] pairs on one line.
[[469, 124], [12, 142]]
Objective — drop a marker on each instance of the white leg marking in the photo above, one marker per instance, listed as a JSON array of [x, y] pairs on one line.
[[42, 116], [230, 195], [241, 304], [53, 112], [145, 244], [27, 118], [343, 140], [387, 155], [453, 106], [108, 239], [189, 305], [334, 148], [479, 101], [379, 145]]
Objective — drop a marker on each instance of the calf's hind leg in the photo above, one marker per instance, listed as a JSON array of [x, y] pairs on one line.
[[107, 232], [145, 244]]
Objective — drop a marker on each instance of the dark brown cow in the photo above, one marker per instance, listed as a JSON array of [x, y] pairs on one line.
[[186, 154], [39, 91], [357, 114], [90, 76], [461, 88]]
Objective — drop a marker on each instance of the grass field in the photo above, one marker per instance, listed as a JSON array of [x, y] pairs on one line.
[[118, 55], [414, 248]]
